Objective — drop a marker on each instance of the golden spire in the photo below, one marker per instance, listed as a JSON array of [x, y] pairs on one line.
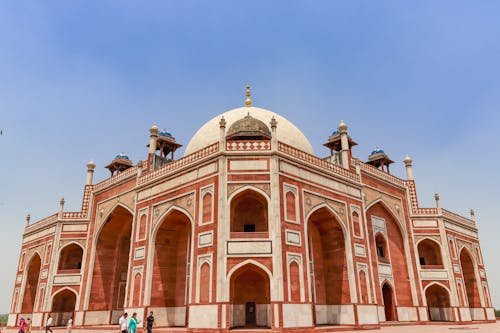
[[248, 101]]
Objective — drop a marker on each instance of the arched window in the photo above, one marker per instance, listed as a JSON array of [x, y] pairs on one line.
[[142, 227], [363, 286], [355, 222], [291, 214], [381, 246], [248, 213], [294, 282], [452, 248], [70, 257], [204, 283], [207, 208], [48, 253], [137, 290], [429, 253]]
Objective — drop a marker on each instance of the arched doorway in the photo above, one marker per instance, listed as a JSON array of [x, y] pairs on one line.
[[389, 306], [63, 307], [109, 278], [327, 253], [429, 254], [250, 298], [170, 268], [30, 289], [438, 303], [470, 282], [70, 258]]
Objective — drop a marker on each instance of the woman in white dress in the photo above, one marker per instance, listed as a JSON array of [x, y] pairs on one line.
[[70, 324]]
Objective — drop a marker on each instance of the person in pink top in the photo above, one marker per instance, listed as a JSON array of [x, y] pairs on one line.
[[22, 326]]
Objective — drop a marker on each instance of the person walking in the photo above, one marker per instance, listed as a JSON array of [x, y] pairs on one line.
[[69, 325], [149, 322], [133, 322], [48, 324], [123, 323], [28, 325], [22, 326]]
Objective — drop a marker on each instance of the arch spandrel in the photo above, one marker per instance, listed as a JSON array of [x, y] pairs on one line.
[[314, 202], [184, 203]]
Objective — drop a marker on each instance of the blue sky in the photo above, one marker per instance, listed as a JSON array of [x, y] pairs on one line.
[[85, 80]]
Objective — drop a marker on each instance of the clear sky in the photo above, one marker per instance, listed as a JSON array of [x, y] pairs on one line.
[[83, 80]]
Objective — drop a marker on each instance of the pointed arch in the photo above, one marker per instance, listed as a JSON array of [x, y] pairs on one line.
[[171, 269], [249, 306], [249, 262], [389, 301], [429, 252], [248, 212], [437, 297], [106, 217], [340, 220], [111, 253], [398, 252], [165, 214], [328, 245], [63, 303], [70, 256], [468, 266], [31, 277], [388, 208]]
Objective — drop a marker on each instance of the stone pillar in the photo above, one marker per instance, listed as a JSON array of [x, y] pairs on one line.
[[90, 172], [344, 143], [61, 208], [222, 134], [438, 204], [274, 136], [153, 137], [409, 171], [28, 218], [473, 215], [139, 168]]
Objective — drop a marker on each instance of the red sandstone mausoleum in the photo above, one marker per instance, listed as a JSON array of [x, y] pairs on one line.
[[251, 229]]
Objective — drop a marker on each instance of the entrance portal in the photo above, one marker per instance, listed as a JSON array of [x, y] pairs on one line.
[[389, 309], [438, 303], [250, 298], [63, 307], [250, 314]]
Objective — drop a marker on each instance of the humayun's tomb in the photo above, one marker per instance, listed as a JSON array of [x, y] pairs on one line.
[[250, 229]]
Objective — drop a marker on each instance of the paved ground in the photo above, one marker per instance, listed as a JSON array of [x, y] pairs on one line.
[[473, 328]]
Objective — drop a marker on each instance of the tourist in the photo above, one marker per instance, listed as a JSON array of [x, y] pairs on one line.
[[70, 324], [22, 326], [132, 324], [123, 323], [28, 325], [48, 324], [149, 322]]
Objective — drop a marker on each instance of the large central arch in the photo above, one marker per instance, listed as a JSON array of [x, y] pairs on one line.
[[471, 286], [326, 246], [172, 244], [111, 263], [31, 286], [395, 255], [250, 297]]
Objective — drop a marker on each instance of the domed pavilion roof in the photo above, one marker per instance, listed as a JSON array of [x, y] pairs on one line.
[[249, 127], [287, 132]]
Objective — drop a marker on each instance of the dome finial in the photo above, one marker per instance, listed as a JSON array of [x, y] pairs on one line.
[[248, 101]]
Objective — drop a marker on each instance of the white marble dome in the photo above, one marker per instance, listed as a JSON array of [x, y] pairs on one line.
[[287, 132]]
